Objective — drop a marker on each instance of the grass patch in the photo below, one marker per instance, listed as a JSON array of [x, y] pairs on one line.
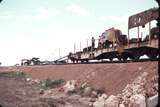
[[48, 83], [13, 74]]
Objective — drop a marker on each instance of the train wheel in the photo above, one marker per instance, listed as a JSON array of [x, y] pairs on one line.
[[87, 60], [152, 56], [111, 59], [136, 57], [26, 64], [124, 58], [119, 58], [76, 61]]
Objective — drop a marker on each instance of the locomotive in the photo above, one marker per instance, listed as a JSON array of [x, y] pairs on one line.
[[113, 44]]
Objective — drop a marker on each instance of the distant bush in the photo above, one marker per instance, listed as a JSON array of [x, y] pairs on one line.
[[48, 83], [13, 74]]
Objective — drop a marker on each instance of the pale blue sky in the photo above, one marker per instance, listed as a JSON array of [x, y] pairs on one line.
[[38, 28]]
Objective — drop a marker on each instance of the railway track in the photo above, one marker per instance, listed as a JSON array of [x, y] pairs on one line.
[[111, 62]]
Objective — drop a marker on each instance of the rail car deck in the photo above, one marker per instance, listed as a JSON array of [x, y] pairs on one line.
[[133, 51]]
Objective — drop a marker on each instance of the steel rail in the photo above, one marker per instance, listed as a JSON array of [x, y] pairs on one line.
[[111, 62]]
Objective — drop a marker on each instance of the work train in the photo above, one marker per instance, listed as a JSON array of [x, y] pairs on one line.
[[113, 44]]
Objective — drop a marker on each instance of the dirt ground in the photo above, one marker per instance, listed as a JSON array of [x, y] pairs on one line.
[[18, 92], [112, 78]]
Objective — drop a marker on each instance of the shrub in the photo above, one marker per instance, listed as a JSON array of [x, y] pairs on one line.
[[13, 74], [48, 83]]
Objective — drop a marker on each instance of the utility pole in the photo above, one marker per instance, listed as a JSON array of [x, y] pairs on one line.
[[87, 44], [80, 45], [74, 47], [59, 53]]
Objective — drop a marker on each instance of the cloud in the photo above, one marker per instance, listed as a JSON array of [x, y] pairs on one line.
[[74, 8]]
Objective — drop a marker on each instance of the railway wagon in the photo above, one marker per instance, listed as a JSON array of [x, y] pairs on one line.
[[113, 44]]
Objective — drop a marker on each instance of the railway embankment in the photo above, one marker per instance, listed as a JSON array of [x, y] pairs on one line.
[[112, 78], [123, 84]]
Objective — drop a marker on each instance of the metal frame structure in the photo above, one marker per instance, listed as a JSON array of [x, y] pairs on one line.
[[141, 19]]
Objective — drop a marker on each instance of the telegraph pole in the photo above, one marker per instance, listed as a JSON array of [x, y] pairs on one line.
[[74, 47], [80, 45], [59, 53]]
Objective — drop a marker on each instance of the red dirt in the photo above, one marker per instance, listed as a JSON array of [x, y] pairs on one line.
[[110, 77], [17, 92]]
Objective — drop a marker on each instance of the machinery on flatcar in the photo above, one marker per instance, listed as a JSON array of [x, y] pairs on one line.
[[113, 44]]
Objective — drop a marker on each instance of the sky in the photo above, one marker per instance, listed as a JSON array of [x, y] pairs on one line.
[[49, 28]]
